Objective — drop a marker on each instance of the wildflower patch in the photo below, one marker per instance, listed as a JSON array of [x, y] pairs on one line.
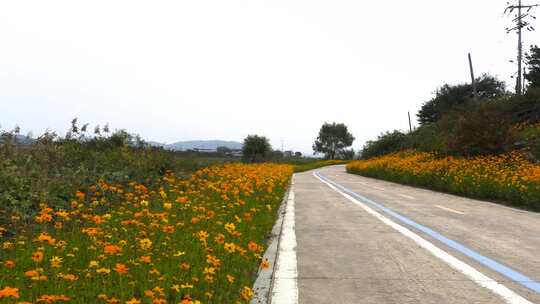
[[195, 240], [508, 177]]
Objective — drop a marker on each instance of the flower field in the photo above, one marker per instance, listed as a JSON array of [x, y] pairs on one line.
[[195, 240], [510, 178]]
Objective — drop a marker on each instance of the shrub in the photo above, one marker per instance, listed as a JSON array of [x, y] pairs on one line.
[[386, 143]]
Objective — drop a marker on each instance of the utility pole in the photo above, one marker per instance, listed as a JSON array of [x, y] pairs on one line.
[[410, 125], [473, 80], [520, 50], [521, 23]]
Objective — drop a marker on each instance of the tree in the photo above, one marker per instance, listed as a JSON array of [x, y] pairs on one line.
[[449, 96], [255, 148], [223, 150], [346, 154], [297, 154], [532, 59], [332, 139]]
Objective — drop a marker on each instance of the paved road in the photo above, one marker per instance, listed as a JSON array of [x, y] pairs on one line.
[[350, 251]]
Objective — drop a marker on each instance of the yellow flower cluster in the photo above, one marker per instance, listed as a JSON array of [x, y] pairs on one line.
[[172, 240], [510, 177]]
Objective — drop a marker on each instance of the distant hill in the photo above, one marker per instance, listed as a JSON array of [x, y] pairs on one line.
[[203, 144], [21, 140], [155, 144]]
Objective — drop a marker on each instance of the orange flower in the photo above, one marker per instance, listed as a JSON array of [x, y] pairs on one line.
[[70, 277], [112, 249], [253, 246], [120, 268], [146, 259], [32, 273], [44, 237], [37, 256], [9, 264], [149, 293], [182, 199], [168, 229], [9, 292], [265, 264], [80, 195]]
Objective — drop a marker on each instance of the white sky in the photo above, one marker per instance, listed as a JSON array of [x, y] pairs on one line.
[[184, 70]]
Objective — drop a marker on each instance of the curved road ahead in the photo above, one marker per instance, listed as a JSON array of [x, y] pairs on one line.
[[361, 240]]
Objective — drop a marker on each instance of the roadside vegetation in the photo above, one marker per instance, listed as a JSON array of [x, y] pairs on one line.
[[183, 240], [509, 178], [102, 217], [486, 146], [52, 169]]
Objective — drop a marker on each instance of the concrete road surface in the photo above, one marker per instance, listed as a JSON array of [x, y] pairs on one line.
[[361, 240]]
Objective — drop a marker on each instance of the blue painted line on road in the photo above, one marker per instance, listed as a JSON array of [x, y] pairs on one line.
[[490, 263]]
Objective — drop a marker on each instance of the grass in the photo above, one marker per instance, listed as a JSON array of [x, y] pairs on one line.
[[303, 166], [508, 178]]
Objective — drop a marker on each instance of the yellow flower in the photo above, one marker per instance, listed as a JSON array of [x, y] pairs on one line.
[[246, 293], [93, 264], [133, 301], [186, 286], [103, 270], [145, 244], [56, 262], [230, 247]]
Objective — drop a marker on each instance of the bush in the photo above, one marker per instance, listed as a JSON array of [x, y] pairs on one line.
[[477, 129], [386, 143], [428, 138]]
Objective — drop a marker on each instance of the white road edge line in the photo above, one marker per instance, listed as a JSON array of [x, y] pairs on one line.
[[407, 196], [285, 286], [479, 278], [449, 209]]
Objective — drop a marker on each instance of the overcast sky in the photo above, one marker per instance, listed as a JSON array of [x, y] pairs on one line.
[[185, 70]]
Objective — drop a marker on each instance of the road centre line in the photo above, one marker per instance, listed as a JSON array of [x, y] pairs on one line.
[[285, 286], [475, 275], [450, 209]]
